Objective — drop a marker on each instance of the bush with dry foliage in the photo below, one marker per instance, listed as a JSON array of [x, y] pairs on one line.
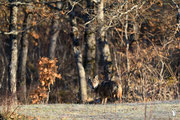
[[47, 75]]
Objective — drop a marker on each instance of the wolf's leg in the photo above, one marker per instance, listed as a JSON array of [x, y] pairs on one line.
[[105, 100], [102, 100]]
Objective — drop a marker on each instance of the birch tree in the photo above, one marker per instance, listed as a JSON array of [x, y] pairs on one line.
[[90, 41], [103, 42], [14, 49]]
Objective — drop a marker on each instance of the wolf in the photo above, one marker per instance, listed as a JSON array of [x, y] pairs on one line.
[[106, 89]]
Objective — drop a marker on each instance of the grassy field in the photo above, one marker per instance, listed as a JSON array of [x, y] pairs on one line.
[[167, 110]]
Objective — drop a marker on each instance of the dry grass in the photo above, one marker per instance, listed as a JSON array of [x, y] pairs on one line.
[[129, 111]]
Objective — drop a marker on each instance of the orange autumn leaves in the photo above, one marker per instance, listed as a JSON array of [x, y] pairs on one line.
[[47, 75], [47, 71]]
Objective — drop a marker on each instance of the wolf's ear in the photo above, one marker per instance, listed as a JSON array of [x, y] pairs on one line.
[[96, 77], [90, 83], [113, 78]]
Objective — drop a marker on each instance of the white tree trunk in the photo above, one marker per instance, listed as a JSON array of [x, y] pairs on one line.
[[90, 47], [14, 51], [103, 43]]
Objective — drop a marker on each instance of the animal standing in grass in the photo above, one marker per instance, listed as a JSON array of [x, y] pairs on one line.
[[106, 89]]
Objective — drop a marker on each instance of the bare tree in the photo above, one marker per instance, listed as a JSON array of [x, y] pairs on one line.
[[103, 42], [53, 36], [54, 33], [90, 41], [4, 63], [127, 50], [78, 58], [14, 49], [23, 57], [3, 68]]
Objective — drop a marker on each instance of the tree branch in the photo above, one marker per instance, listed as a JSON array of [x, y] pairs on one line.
[[28, 3]]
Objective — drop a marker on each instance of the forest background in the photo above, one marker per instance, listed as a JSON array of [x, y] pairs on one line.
[[48, 49]]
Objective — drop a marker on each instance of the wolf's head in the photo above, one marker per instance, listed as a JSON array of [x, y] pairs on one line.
[[93, 83]]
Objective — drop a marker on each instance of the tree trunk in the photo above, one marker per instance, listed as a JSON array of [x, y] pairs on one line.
[[105, 59], [54, 33], [136, 30], [4, 77], [4, 62], [78, 58], [178, 19], [14, 51], [23, 58], [127, 52], [3, 68], [90, 45]]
